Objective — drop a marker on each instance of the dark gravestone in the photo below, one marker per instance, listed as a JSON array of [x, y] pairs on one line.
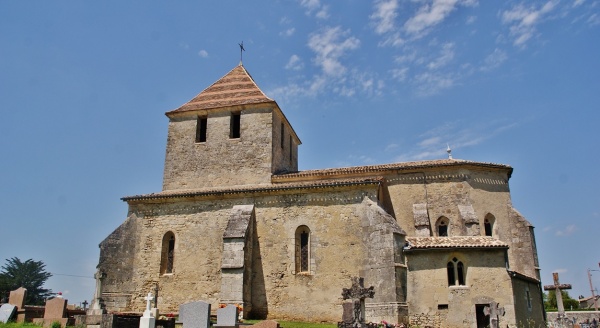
[[348, 314]]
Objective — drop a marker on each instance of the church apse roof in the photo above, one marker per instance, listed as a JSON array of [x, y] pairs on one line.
[[474, 242], [378, 169], [235, 88]]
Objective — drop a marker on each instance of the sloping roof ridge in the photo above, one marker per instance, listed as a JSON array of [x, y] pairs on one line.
[[251, 79], [255, 188], [208, 87], [194, 100], [379, 167]]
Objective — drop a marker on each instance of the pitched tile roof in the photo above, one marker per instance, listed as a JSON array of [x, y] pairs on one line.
[[414, 243], [370, 169], [220, 191], [235, 88], [522, 276]]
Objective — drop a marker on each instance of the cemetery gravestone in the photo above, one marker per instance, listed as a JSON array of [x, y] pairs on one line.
[[267, 324], [348, 312], [7, 312], [147, 320], [195, 315], [17, 297], [227, 316], [55, 311]]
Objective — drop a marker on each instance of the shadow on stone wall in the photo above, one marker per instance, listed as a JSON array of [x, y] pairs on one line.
[[260, 308]]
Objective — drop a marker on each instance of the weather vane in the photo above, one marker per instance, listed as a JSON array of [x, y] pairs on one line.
[[241, 50]]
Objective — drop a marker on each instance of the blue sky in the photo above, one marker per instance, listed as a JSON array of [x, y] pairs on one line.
[[84, 86]]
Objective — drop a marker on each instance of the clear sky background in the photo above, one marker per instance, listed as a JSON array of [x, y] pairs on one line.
[[84, 86]]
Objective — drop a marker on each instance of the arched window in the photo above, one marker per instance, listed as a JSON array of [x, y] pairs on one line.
[[167, 258], [302, 249], [441, 226], [456, 273], [451, 276], [488, 224]]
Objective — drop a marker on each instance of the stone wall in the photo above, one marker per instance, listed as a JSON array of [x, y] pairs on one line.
[[221, 160], [283, 161], [117, 255], [336, 221], [431, 299], [579, 316], [528, 302], [457, 193]]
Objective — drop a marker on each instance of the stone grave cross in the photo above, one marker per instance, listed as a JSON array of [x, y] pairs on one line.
[[148, 299], [147, 320], [494, 311], [357, 293], [558, 287]]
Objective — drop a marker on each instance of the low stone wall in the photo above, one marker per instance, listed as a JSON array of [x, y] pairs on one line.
[[577, 316]]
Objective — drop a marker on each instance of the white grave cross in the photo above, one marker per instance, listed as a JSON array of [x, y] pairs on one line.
[[148, 299], [147, 320]]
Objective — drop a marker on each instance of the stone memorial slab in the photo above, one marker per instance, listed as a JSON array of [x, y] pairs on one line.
[[227, 316], [55, 308], [267, 324], [7, 312], [195, 315], [348, 312], [17, 297], [55, 311]]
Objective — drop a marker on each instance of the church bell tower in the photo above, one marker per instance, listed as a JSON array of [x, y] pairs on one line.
[[230, 134]]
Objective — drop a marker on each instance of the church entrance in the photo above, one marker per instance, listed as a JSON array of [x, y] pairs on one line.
[[483, 320]]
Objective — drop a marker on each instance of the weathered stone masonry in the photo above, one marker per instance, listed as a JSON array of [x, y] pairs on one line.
[[437, 239]]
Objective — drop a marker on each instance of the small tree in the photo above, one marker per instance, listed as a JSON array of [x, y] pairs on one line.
[[568, 302], [30, 275]]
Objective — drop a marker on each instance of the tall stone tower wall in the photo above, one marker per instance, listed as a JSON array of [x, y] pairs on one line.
[[220, 160]]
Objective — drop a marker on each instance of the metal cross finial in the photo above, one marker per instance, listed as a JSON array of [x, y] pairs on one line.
[[241, 50]]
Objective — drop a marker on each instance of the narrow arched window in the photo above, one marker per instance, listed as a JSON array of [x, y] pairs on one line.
[[488, 224], [456, 273], [302, 249], [442, 226], [460, 273], [450, 269], [167, 260]]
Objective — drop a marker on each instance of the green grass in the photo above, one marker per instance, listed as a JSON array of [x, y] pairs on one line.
[[17, 325]]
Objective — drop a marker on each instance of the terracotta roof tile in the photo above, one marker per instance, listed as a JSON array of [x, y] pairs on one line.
[[255, 188], [453, 242], [235, 88], [384, 167]]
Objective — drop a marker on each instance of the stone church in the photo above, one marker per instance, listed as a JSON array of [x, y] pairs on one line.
[[236, 222]]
